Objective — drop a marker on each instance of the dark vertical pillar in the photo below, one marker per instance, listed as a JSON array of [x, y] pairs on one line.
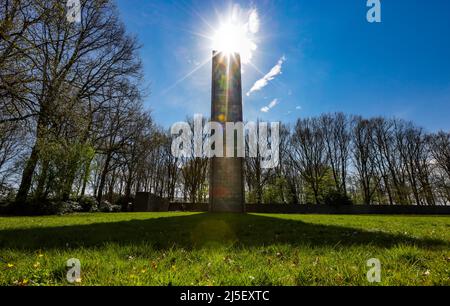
[[226, 192]]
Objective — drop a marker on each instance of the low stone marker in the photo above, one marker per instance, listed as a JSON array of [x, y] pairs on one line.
[[148, 202]]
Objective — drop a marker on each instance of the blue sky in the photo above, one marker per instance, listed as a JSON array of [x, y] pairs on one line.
[[334, 60]]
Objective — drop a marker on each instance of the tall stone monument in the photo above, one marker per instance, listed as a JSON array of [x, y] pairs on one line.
[[226, 190]]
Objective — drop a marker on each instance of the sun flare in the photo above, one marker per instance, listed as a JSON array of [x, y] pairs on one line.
[[237, 35], [235, 32]]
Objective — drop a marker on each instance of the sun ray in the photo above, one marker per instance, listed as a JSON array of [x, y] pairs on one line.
[[201, 65]]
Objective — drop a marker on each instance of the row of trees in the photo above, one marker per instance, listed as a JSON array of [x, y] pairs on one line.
[[370, 161], [72, 124], [333, 157]]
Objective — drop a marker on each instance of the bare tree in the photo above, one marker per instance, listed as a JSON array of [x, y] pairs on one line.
[[415, 156], [194, 171], [256, 176], [120, 124], [439, 144], [336, 134], [309, 155], [364, 158]]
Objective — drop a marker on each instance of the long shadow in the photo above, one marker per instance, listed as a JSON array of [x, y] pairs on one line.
[[202, 230]]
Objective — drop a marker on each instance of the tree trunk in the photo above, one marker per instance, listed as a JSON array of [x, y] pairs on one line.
[[27, 176], [42, 180], [87, 170], [103, 178]]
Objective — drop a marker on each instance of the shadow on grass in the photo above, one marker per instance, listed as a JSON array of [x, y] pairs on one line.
[[202, 230]]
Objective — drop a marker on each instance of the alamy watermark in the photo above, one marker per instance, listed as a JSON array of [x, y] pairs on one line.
[[374, 274], [374, 13], [74, 273], [241, 140], [73, 11]]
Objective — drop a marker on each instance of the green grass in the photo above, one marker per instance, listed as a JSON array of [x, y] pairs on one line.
[[224, 249]]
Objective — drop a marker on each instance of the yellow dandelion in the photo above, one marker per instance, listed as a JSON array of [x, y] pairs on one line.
[[10, 265]]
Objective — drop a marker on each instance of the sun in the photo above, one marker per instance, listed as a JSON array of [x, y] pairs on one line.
[[230, 38], [237, 35]]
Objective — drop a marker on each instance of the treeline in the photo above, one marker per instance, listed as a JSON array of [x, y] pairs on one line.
[[72, 125], [338, 159]]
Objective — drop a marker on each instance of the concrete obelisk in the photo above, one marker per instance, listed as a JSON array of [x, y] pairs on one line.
[[226, 190]]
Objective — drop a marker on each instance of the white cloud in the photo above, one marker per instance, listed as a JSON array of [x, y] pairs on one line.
[[271, 105], [249, 45], [275, 71], [253, 21], [298, 107]]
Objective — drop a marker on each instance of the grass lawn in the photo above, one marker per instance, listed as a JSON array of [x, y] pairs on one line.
[[224, 249]]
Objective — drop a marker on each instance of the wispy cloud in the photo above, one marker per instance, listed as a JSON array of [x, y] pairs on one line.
[[275, 71], [253, 22], [272, 104]]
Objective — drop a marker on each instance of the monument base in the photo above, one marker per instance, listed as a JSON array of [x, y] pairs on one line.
[[227, 185]]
